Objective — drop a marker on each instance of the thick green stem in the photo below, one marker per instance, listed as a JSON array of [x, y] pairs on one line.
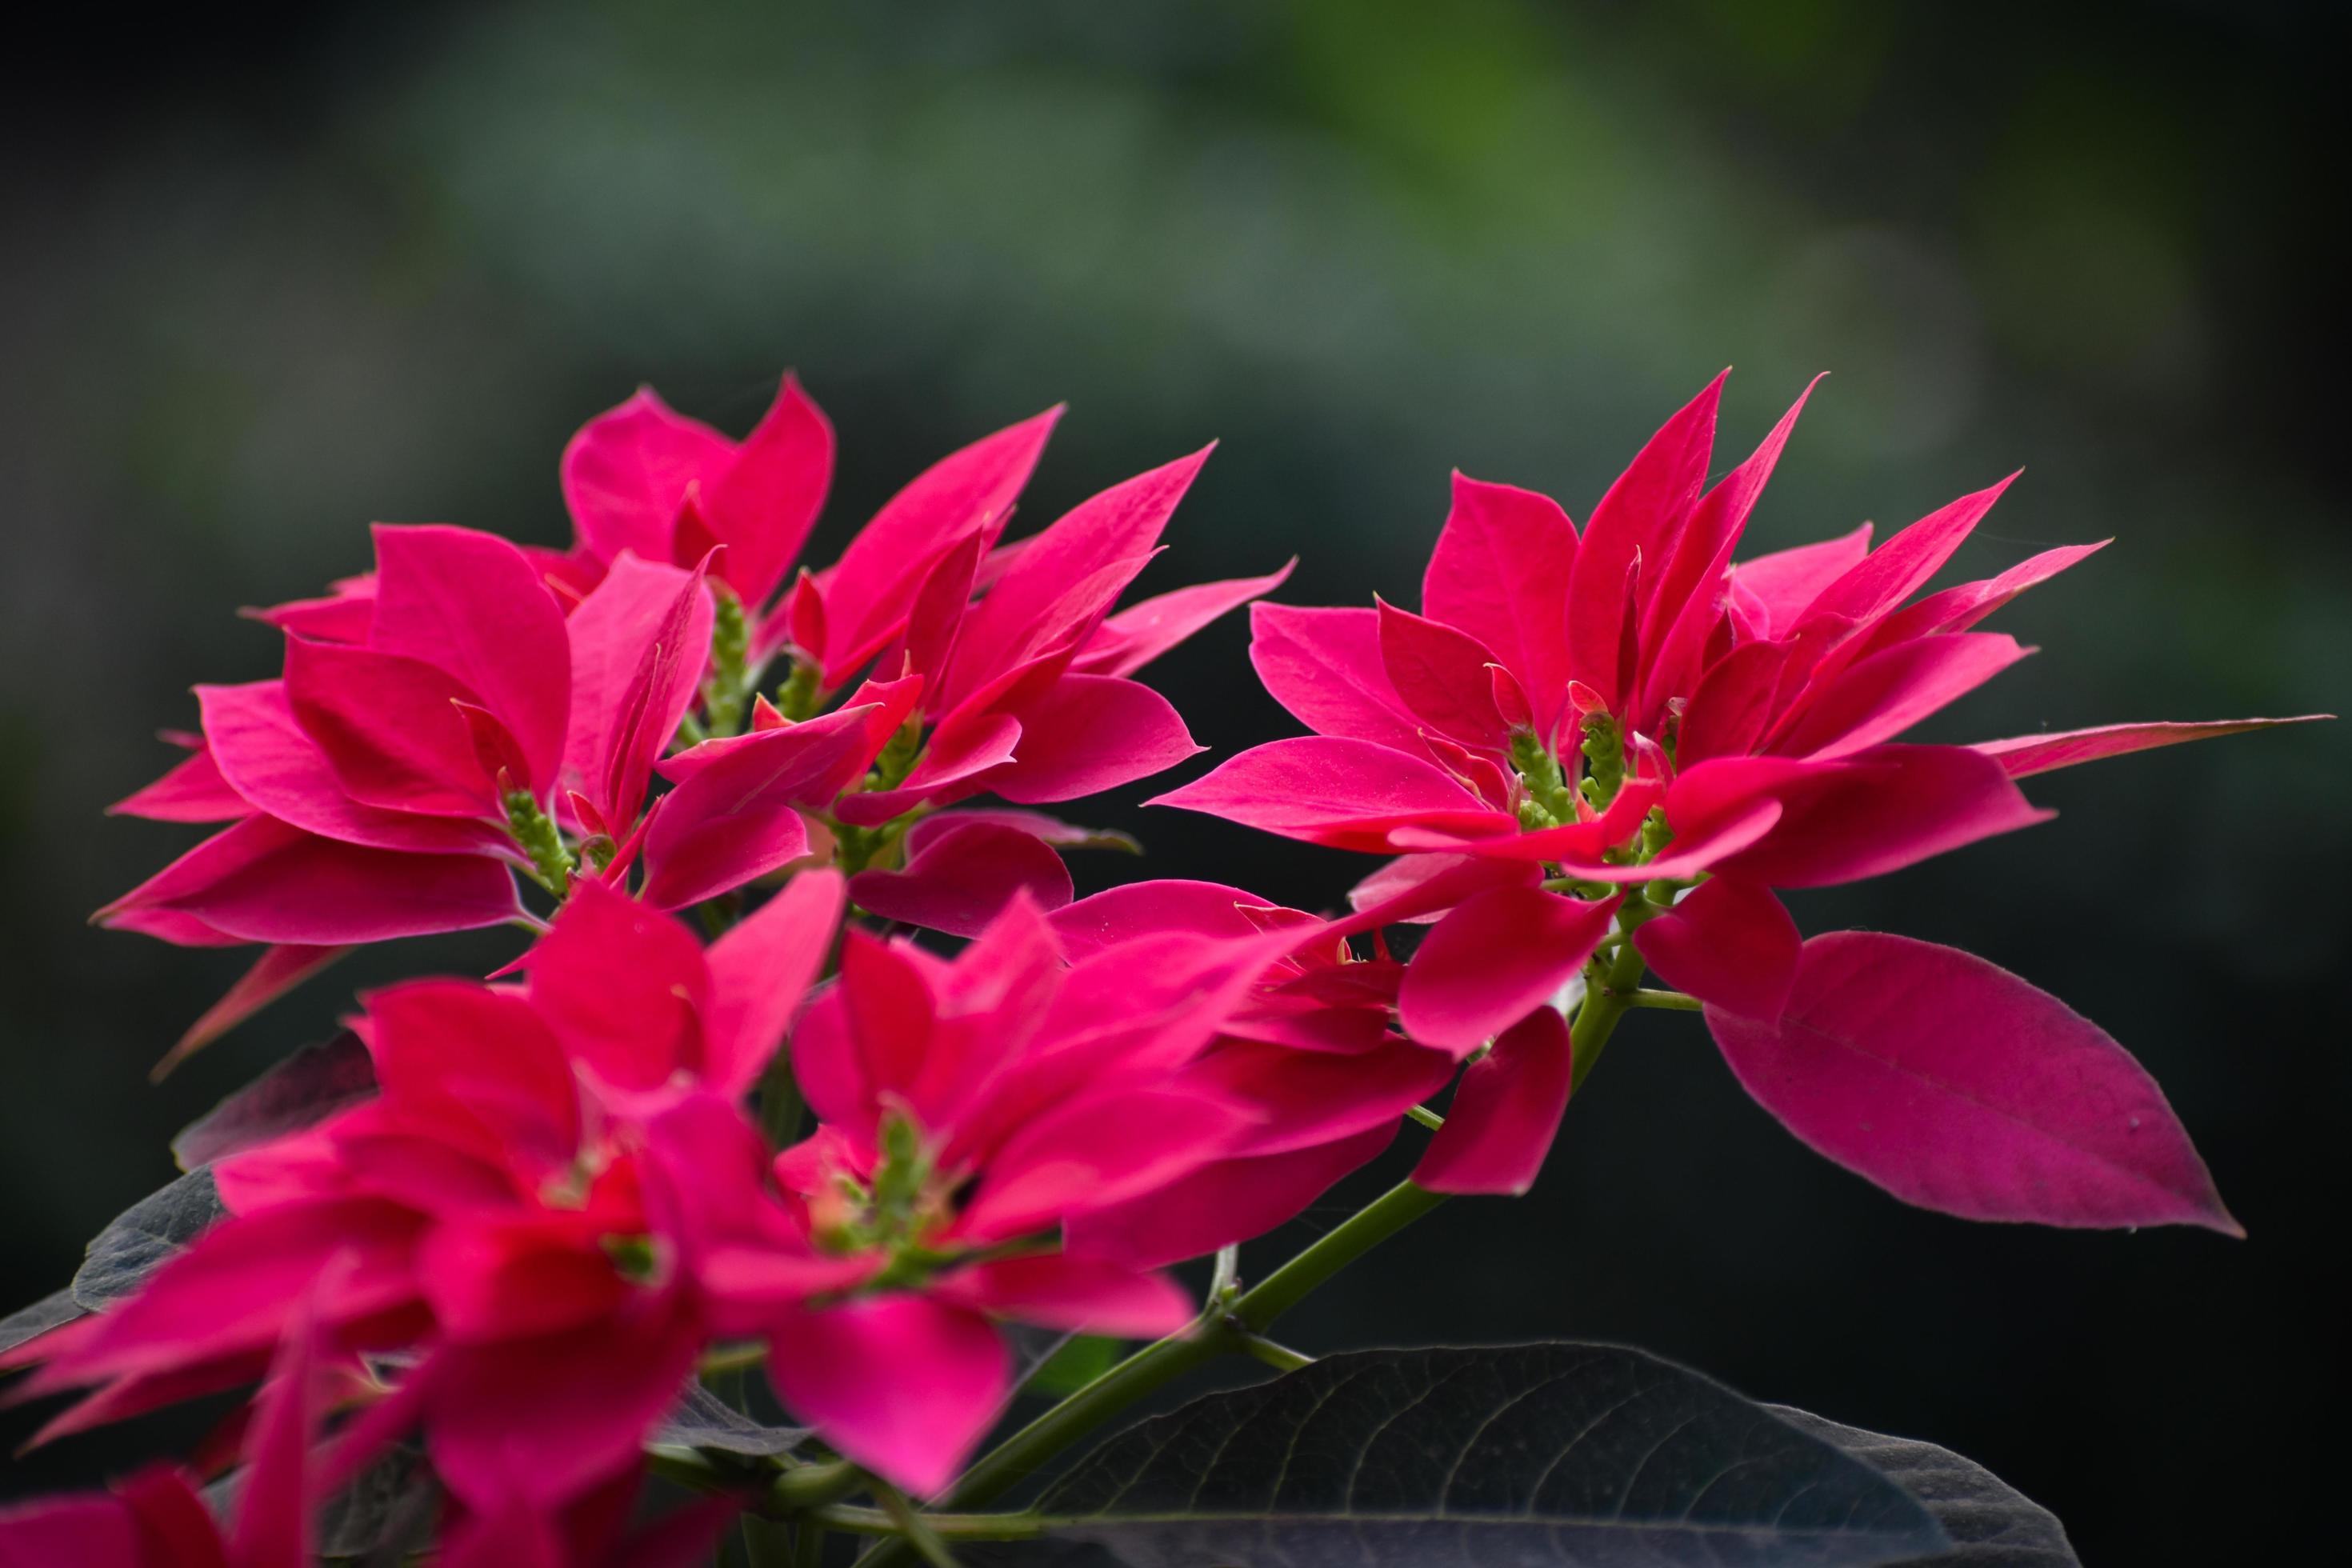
[[1608, 993], [1153, 1367], [1148, 1370]]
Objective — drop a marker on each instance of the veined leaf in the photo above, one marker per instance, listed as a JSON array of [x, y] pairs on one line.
[[52, 1310], [1552, 1456], [1992, 1524], [300, 1091], [143, 1235], [703, 1420]]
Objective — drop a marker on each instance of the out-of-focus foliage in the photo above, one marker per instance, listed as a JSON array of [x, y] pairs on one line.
[[261, 287]]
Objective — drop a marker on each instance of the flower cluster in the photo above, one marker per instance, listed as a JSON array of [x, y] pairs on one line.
[[470, 709], [814, 1142], [1628, 737]]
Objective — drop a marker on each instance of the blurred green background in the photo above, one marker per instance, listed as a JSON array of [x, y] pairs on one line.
[[271, 277]]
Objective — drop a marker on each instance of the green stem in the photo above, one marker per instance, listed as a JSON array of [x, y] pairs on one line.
[[1608, 991], [733, 1358], [1148, 1370], [766, 1543], [806, 1487], [1673, 1001], [918, 1531], [795, 1490], [854, 1520], [1280, 1357]]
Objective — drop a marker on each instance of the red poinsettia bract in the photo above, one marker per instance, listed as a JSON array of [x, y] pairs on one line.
[[1625, 734], [472, 708]]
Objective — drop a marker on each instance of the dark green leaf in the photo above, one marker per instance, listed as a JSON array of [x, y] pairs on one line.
[[300, 1091], [1559, 1455], [1074, 1363], [386, 1515], [27, 1322], [703, 1420], [1034, 1348], [1992, 1524], [383, 1517], [143, 1235]]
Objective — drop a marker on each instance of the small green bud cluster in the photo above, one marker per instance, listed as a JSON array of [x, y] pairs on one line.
[[536, 833], [732, 679]]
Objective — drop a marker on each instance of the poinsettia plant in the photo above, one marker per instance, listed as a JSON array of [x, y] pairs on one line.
[[809, 1062]]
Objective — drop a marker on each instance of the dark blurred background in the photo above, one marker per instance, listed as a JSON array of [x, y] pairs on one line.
[[269, 278]]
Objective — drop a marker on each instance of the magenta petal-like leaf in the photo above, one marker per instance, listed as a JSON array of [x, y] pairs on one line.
[[264, 881], [866, 595], [1086, 733], [625, 471], [1896, 569], [1859, 816], [395, 729], [1878, 697], [1325, 666], [1505, 1114], [1958, 1086], [262, 752], [2029, 755], [1230, 1201], [1780, 584], [1083, 1295], [1494, 958], [904, 1385], [963, 878], [1729, 943], [639, 641], [1348, 795], [1444, 676], [473, 606], [760, 971], [193, 790], [1033, 604], [1630, 537], [1132, 639], [763, 505], [1500, 573], [738, 817]]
